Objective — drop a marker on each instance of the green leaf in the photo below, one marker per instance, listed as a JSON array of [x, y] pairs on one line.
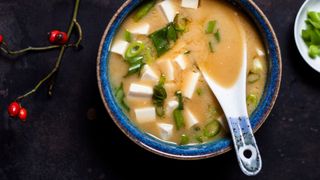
[[159, 96], [160, 41], [171, 33]]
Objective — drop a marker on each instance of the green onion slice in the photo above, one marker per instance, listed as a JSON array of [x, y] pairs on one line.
[[253, 77], [144, 10], [211, 26], [184, 139], [212, 129], [134, 49]]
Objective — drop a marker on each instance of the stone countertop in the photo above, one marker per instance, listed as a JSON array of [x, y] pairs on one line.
[[71, 136]]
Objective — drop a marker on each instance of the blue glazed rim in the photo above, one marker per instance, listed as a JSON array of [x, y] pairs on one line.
[[192, 151]]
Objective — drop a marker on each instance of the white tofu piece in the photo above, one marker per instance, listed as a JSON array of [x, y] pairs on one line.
[[165, 130], [168, 9], [140, 91], [190, 4], [145, 115], [167, 69], [119, 47], [189, 84], [260, 52], [257, 65], [171, 106], [182, 61], [143, 29], [148, 74], [190, 119]]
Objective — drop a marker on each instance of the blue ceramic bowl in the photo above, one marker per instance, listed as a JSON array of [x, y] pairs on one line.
[[193, 151]]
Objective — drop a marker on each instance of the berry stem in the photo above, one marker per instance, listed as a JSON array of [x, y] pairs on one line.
[[79, 29], [28, 49], [58, 62]]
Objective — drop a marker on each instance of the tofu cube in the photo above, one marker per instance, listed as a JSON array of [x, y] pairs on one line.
[[260, 52], [148, 74], [171, 106], [140, 91], [145, 115], [189, 84], [182, 61], [190, 4], [167, 69], [168, 9], [119, 47], [143, 29], [190, 119], [165, 130]]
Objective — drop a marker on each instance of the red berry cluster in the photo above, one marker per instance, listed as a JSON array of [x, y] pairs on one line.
[[58, 37], [15, 110]]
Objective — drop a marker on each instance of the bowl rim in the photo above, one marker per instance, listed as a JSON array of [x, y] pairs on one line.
[[268, 107]]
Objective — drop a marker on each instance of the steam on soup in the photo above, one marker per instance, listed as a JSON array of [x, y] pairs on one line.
[[154, 69]]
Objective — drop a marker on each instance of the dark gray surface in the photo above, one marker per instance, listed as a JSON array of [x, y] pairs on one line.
[[60, 142]]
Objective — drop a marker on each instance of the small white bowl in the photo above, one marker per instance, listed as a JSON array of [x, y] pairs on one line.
[[309, 5]]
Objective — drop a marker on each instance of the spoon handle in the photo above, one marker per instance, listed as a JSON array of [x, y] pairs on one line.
[[245, 145]]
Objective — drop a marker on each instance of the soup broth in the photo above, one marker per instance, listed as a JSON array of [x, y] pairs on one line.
[[154, 67]]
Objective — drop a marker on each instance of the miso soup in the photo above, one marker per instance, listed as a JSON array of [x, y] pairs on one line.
[[154, 67]]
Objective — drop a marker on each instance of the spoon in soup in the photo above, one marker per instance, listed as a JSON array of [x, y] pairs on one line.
[[232, 99]]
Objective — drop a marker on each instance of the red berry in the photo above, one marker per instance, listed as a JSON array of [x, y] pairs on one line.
[[52, 36], [62, 38], [14, 109], [1, 39], [58, 37], [23, 113]]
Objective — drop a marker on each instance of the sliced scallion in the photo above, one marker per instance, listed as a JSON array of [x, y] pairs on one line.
[[211, 48], [211, 26], [184, 139], [217, 36], [212, 129], [253, 77], [252, 102], [178, 118], [134, 49], [127, 36], [314, 51], [144, 10], [180, 23], [119, 94]]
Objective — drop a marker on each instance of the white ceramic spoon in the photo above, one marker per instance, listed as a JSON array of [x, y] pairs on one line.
[[233, 103]]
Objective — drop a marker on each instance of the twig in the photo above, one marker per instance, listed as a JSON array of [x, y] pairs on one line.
[[28, 49], [61, 53]]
